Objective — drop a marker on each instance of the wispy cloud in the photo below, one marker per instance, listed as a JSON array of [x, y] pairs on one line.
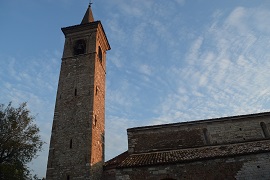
[[226, 79], [145, 69]]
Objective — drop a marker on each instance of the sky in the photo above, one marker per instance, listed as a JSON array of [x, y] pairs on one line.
[[170, 61]]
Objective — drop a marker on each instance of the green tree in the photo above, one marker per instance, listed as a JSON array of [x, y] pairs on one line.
[[19, 141]]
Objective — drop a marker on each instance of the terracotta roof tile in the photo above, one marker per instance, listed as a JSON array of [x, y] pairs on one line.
[[113, 163]]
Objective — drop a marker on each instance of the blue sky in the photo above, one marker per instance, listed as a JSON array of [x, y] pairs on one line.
[[171, 61]]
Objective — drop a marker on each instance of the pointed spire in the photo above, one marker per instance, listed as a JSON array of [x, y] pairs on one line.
[[88, 16]]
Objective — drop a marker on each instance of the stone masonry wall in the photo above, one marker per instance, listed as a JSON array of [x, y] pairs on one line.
[[71, 132], [199, 133]]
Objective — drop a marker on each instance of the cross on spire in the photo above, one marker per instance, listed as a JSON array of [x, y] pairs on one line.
[[90, 3]]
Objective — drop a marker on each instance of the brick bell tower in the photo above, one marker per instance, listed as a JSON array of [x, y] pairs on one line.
[[77, 138]]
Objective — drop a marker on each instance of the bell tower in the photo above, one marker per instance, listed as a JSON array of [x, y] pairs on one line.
[[77, 137]]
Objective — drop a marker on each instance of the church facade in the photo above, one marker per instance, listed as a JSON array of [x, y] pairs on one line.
[[223, 148]]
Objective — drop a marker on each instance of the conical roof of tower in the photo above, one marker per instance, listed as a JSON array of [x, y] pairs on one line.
[[88, 16]]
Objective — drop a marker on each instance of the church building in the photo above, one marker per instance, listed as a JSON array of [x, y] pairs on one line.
[[235, 147]]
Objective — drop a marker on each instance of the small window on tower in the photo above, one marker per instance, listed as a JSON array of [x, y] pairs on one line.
[[95, 120], [70, 144], [97, 90], [80, 47], [75, 92], [100, 54]]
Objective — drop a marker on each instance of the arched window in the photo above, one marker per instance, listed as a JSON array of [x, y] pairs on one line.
[[265, 130], [100, 54], [80, 47]]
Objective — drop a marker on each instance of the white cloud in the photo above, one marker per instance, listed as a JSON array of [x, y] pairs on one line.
[[180, 2], [139, 34], [246, 20], [193, 54], [145, 69], [116, 59], [238, 19]]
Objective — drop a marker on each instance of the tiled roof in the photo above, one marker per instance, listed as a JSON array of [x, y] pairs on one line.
[[113, 163], [192, 154]]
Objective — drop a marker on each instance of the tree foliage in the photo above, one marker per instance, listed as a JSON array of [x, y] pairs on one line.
[[19, 141]]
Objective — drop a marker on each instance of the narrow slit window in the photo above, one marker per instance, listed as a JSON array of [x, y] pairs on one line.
[[95, 120], [75, 92], [68, 178], [100, 54], [70, 144], [265, 130], [96, 90]]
